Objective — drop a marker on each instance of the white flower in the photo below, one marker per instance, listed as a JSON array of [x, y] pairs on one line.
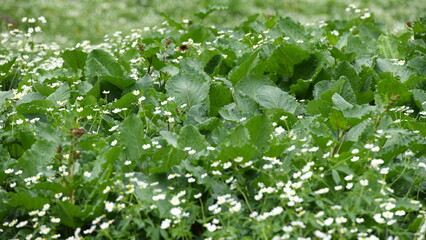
[[146, 146], [378, 218], [388, 214], [109, 206], [107, 189], [341, 220], [227, 165], [55, 220], [113, 143], [400, 213], [322, 191], [136, 92], [328, 221], [279, 130], [376, 162], [235, 208], [364, 182], [165, 223], [176, 211], [104, 225], [175, 201], [44, 229], [9, 171]]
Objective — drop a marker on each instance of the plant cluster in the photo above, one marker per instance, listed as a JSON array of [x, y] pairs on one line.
[[267, 130]]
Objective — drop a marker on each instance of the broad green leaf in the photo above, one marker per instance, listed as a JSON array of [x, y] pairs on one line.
[[219, 96], [390, 47], [243, 69], [74, 59], [319, 106], [338, 121], [61, 94], [69, 214], [203, 13], [419, 98], [29, 98], [170, 137], [101, 63], [35, 159], [259, 129], [188, 89], [26, 200], [401, 71], [287, 27], [340, 103], [104, 162], [357, 131], [165, 158], [394, 91], [5, 67], [273, 97], [120, 82], [238, 137], [251, 83], [231, 113], [133, 137], [246, 105], [284, 58], [344, 68], [3, 96], [189, 136]]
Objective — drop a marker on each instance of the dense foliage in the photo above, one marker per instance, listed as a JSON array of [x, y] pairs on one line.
[[268, 130]]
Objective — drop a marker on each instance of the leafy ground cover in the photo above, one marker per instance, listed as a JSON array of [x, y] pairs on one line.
[[92, 19], [267, 130]]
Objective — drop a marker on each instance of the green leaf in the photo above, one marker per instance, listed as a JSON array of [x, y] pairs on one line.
[[5, 67], [165, 158], [273, 97], [338, 121], [284, 58], [401, 71], [132, 137], [35, 160], [336, 176], [61, 94], [219, 96], [104, 162], [394, 91], [69, 214], [344, 68], [188, 89], [339, 102], [238, 137], [101, 63], [251, 83], [26, 200], [189, 136], [75, 59], [3, 97], [120, 82], [243, 69], [259, 129], [319, 106], [287, 27], [203, 13], [357, 131], [170, 137], [390, 47]]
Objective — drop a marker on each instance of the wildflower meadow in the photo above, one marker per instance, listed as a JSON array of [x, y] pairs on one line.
[[268, 129]]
